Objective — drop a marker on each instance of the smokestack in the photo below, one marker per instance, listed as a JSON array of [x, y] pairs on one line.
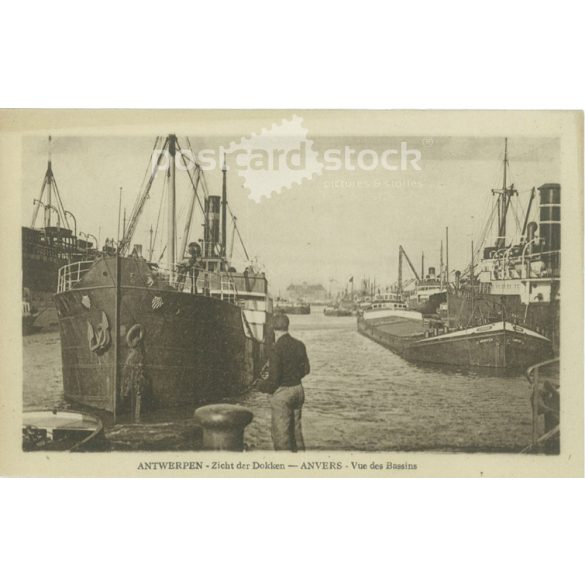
[[212, 212], [550, 224], [550, 216]]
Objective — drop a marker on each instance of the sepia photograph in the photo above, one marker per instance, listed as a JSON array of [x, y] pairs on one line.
[[288, 291], [292, 292]]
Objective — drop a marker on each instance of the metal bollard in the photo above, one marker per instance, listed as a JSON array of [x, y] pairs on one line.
[[223, 426]]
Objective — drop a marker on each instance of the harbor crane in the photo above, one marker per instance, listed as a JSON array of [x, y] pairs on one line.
[[402, 253]]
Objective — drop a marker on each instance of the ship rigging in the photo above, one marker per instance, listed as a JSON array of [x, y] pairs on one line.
[[503, 311], [139, 336], [166, 154]]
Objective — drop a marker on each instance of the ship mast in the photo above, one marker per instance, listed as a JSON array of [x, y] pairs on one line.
[[400, 270], [502, 201], [171, 220], [49, 189], [471, 265], [441, 268], [447, 255], [504, 195]]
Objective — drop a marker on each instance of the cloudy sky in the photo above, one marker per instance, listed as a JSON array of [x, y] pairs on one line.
[[338, 224]]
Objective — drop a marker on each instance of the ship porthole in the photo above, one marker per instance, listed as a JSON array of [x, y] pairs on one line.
[[135, 335]]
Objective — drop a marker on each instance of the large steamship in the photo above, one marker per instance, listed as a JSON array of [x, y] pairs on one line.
[[504, 316], [47, 248], [136, 335], [518, 280]]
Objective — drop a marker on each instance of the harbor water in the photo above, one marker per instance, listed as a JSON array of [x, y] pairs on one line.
[[359, 396]]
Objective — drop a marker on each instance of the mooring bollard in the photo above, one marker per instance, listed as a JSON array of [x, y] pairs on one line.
[[223, 426]]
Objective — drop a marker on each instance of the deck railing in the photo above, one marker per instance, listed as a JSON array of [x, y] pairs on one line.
[[203, 282], [71, 274], [226, 286]]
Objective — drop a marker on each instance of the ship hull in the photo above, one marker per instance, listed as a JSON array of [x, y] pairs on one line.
[[338, 313], [498, 345], [498, 349], [39, 279], [541, 317], [41, 261], [295, 310], [177, 349]]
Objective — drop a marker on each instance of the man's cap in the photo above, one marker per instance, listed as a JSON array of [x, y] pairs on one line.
[[280, 322]]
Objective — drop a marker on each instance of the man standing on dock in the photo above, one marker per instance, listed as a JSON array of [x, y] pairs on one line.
[[287, 365]]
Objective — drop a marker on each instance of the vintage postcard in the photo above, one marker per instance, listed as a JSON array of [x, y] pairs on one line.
[[291, 293]]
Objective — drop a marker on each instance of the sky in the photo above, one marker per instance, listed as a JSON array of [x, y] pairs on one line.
[[339, 224]]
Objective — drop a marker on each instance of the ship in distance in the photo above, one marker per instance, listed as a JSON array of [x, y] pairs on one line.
[[338, 310], [345, 305], [298, 307]]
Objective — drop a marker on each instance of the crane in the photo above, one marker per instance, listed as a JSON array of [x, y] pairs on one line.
[[402, 253], [142, 197]]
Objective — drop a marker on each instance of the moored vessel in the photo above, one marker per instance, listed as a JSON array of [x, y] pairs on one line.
[[61, 430], [496, 345], [47, 248], [292, 308], [424, 292], [502, 313], [137, 337], [338, 311], [520, 276]]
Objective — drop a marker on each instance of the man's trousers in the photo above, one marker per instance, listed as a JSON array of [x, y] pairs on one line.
[[286, 404]]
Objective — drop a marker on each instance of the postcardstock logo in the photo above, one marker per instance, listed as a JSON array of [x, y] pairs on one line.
[[276, 158]]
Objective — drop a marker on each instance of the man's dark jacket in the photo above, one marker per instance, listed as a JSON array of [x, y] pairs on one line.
[[288, 364]]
